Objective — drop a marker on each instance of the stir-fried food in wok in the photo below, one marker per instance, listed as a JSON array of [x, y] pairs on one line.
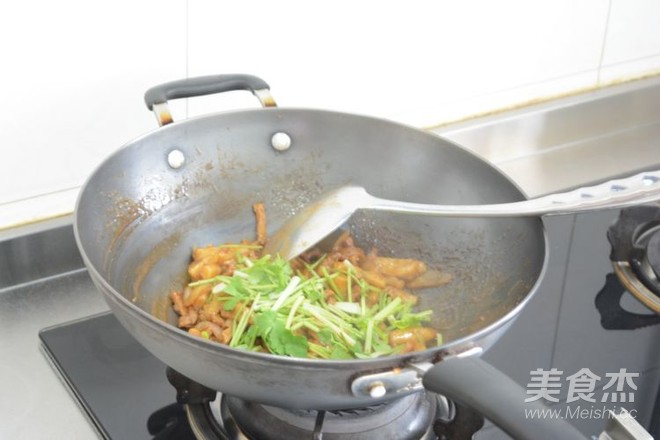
[[346, 303]]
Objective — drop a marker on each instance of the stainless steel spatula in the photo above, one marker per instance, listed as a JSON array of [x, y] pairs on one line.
[[319, 219]]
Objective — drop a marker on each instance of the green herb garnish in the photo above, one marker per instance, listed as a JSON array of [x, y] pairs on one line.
[[287, 313]]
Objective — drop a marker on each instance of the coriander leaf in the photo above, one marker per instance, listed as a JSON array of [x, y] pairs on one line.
[[295, 345], [236, 287], [340, 353], [325, 336], [264, 322], [230, 304], [277, 337], [409, 320], [382, 347]]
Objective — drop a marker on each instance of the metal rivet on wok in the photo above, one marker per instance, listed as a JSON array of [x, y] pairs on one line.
[[176, 159], [281, 141], [377, 390]]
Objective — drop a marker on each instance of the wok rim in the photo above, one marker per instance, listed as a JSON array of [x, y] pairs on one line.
[[400, 359]]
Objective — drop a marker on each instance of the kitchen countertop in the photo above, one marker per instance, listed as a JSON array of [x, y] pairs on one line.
[[35, 403], [572, 141], [553, 146]]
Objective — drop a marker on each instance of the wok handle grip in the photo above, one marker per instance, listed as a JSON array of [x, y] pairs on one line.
[[480, 386], [156, 97]]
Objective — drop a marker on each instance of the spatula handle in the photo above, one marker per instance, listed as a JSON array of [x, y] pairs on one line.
[[638, 189], [619, 193]]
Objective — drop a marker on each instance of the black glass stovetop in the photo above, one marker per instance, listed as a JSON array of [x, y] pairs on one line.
[[120, 385]]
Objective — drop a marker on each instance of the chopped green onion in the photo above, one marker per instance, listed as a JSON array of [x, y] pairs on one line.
[[320, 350], [369, 336], [318, 314], [290, 288], [207, 281], [349, 307], [218, 288], [330, 280], [242, 323], [388, 309], [294, 309]]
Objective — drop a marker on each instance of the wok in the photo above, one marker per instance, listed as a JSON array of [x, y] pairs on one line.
[[192, 183]]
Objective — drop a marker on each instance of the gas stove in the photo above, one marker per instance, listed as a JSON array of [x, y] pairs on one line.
[[128, 393]]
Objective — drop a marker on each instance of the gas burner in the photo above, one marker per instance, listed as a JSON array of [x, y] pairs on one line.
[[407, 418], [418, 416], [646, 261], [635, 240]]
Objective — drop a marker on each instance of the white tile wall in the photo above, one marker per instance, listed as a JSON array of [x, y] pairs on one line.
[[74, 72], [73, 76], [417, 62], [632, 40]]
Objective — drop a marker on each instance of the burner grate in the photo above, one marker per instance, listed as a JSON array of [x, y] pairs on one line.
[[408, 418], [635, 256]]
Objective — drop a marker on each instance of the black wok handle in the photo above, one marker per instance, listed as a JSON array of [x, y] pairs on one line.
[[480, 386], [156, 97]]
